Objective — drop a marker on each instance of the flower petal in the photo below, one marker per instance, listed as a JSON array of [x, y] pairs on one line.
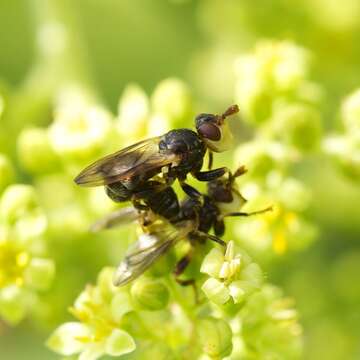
[[213, 262], [216, 291], [120, 305], [66, 339], [119, 342], [93, 351]]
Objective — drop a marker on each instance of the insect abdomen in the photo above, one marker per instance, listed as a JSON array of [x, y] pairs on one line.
[[118, 192]]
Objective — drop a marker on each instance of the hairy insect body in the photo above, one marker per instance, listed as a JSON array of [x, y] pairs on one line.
[[207, 213], [189, 147], [143, 173], [129, 173]]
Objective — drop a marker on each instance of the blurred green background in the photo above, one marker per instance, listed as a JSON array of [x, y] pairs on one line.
[[112, 43]]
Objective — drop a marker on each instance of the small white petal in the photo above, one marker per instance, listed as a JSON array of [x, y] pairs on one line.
[[65, 340], [230, 251], [212, 262], [224, 272], [236, 291], [120, 305], [119, 342], [216, 291], [93, 351]]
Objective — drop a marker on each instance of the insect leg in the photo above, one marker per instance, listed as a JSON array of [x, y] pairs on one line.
[[118, 192], [180, 268], [183, 263], [241, 213], [190, 190], [138, 205], [219, 227], [211, 159], [211, 174], [204, 235]]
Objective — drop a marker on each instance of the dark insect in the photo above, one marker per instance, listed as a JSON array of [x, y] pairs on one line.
[[127, 174], [154, 195], [222, 200], [194, 221]]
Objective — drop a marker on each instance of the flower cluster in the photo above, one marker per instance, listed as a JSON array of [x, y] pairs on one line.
[[169, 106], [25, 268], [99, 310], [282, 104], [232, 275], [109, 320], [268, 327]]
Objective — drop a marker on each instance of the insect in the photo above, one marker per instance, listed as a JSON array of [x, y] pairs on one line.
[[222, 200], [162, 201], [194, 222], [127, 173]]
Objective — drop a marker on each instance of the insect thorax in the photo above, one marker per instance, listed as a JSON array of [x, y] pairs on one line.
[[189, 146]]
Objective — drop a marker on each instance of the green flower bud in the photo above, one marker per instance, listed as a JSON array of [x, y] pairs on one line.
[[299, 125], [255, 102], [172, 99], [17, 201], [293, 194], [350, 112], [133, 112], [260, 157], [35, 152], [269, 325], [79, 133], [12, 304], [40, 273], [7, 173], [215, 337], [119, 343], [290, 66], [19, 208], [158, 124], [150, 294]]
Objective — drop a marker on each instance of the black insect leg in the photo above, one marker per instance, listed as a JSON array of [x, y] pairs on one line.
[[180, 268], [219, 227], [190, 190], [241, 213], [204, 235], [211, 174]]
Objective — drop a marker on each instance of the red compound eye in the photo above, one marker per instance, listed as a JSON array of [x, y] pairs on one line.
[[210, 131]]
